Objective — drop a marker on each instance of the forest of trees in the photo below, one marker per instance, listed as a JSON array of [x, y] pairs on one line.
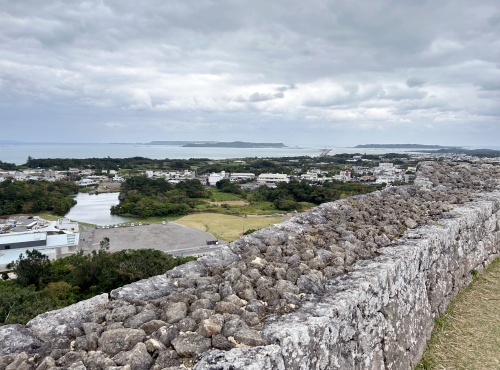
[[287, 196], [144, 197], [36, 196], [201, 165], [44, 285]]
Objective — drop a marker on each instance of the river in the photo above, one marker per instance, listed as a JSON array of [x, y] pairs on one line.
[[95, 209]]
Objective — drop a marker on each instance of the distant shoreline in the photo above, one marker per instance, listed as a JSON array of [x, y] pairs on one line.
[[234, 144], [406, 146]]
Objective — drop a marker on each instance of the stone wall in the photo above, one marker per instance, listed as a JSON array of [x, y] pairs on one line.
[[354, 284]]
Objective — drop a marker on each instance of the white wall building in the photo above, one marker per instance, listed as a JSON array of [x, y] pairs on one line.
[[309, 176], [272, 178], [213, 178], [87, 182], [67, 225], [50, 243], [241, 176], [344, 176]]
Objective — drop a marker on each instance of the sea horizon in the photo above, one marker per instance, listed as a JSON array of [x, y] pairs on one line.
[[18, 152]]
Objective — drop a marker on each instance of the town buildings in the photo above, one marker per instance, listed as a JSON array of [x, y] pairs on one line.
[[56, 239]]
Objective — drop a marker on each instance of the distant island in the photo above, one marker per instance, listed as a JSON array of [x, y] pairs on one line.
[[471, 152], [403, 146], [233, 144], [179, 142]]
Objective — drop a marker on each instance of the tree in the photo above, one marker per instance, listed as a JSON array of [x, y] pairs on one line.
[[30, 269], [104, 244]]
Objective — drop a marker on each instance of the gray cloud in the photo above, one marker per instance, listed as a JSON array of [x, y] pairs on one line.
[[415, 82], [225, 68], [258, 97]]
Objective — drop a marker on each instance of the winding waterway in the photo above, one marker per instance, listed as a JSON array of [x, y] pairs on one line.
[[95, 209]]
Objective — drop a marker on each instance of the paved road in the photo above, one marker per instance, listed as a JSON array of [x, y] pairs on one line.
[[171, 237]]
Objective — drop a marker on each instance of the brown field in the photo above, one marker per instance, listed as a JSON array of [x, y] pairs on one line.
[[225, 227], [467, 336]]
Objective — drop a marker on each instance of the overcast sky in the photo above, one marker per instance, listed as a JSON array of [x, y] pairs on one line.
[[333, 72]]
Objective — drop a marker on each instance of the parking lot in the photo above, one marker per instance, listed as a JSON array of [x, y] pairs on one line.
[[170, 237], [20, 223]]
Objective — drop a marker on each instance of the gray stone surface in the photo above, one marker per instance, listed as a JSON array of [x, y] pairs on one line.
[[191, 344], [381, 313], [113, 341], [137, 358], [54, 324], [353, 284], [154, 287], [16, 338]]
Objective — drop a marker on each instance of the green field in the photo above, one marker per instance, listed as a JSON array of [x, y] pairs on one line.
[[226, 227], [467, 336]]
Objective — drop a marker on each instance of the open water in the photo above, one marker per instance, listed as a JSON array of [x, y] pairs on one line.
[[18, 153], [95, 209]]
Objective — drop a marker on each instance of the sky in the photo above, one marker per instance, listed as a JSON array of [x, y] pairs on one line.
[[333, 72]]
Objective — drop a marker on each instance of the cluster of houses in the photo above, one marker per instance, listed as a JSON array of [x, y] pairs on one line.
[[52, 238], [384, 173]]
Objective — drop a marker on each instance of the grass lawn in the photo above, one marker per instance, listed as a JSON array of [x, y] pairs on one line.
[[226, 227], [219, 196], [467, 336], [48, 216]]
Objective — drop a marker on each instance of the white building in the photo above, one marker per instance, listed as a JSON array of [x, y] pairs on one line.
[[241, 176], [213, 178], [385, 165], [49, 174], [67, 225], [272, 178], [343, 176], [52, 243], [86, 182], [309, 176], [388, 179]]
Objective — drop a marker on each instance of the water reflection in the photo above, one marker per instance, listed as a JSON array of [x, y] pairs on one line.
[[95, 209]]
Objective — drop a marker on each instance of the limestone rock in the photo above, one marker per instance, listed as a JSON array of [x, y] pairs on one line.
[[175, 312], [71, 357], [77, 366], [166, 359], [113, 341], [154, 346], [141, 318], [92, 327], [154, 287], [120, 314], [16, 338], [166, 334], [98, 361], [47, 363], [191, 344], [19, 361], [152, 326], [250, 337], [54, 324], [221, 342], [138, 358], [209, 328]]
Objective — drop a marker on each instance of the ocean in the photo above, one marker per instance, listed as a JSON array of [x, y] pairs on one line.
[[18, 153]]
